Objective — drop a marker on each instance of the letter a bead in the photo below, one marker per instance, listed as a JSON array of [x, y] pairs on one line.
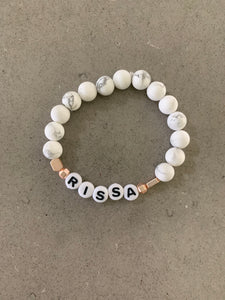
[[130, 192]]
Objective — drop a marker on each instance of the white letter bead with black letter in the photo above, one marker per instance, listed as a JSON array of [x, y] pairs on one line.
[[130, 192], [100, 194], [115, 191], [105, 85], [73, 181], [72, 101], [60, 114], [86, 189], [141, 80]]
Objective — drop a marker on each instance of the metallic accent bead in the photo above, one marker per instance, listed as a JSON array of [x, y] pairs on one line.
[[56, 164], [63, 173], [152, 182], [142, 188]]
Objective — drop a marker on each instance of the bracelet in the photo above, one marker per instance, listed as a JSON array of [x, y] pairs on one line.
[[87, 91]]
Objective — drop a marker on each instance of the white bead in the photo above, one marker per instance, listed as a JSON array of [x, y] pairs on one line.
[[122, 79], [176, 121], [100, 194], [54, 131], [141, 80], [164, 172], [86, 189], [156, 91], [87, 91], [60, 114], [130, 192], [72, 100], [105, 86], [168, 105], [175, 157], [73, 181], [179, 139], [52, 149], [115, 191]]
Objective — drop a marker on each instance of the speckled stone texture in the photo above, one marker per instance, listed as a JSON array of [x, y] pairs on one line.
[[169, 244]]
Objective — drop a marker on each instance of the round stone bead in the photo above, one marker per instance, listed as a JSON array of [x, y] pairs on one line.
[[72, 100], [115, 191], [141, 80], [105, 86], [175, 157], [54, 131], [86, 189], [87, 91], [180, 139], [168, 105], [156, 91], [176, 121], [52, 149], [164, 172], [60, 114], [122, 79], [100, 194], [130, 192], [73, 181]]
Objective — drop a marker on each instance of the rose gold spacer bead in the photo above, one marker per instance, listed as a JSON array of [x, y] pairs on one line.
[[63, 173], [56, 164], [142, 188], [152, 182]]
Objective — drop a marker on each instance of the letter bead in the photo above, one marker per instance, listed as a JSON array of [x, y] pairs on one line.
[[73, 181], [100, 194], [86, 189], [130, 192], [115, 191]]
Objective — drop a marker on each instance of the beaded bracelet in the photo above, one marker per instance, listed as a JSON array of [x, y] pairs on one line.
[[87, 91]]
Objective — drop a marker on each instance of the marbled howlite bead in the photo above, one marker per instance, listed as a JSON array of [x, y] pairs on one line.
[[130, 192], [175, 157], [115, 191], [54, 131], [73, 181], [100, 194], [105, 86], [156, 91], [180, 139], [60, 114], [86, 189], [168, 104], [122, 79], [52, 149], [164, 172], [72, 100], [87, 91], [141, 80], [176, 121]]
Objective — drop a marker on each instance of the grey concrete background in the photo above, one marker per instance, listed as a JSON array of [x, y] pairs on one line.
[[170, 243]]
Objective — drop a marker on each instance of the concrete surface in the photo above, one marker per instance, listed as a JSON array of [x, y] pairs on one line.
[[170, 244]]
